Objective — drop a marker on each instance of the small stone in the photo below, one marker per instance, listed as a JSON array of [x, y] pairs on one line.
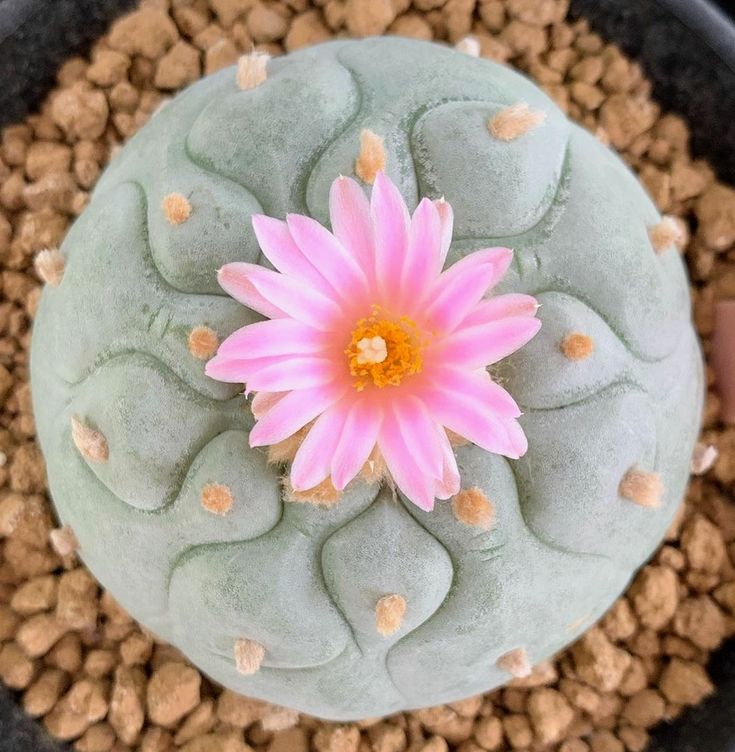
[[64, 541], [645, 708], [598, 662], [252, 70], [516, 663], [278, 718], [108, 67], [625, 118], [99, 663], [703, 458], [39, 634], [239, 711], [488, 732], [306, 29], [685, 682], [290, 740], [147, 32], [715, 210], [700, 621], [136, 649], [80, 111], [176, 208], [16, 668], [703, 545], [472, 507], [200, 721], [77, 605], [655, 596], [518, 730], [514, 121], [366, 18], [248, 656], [228, 11], [38, 594], [127, 703], [577, 346], [82, 706], [92, 445], [179, 66], [173, 692], [390, 611], [635, 739], [550, 714], [605, 741], [642, 488], [371, 158], [44, 693], [266, 24], [619, 622]]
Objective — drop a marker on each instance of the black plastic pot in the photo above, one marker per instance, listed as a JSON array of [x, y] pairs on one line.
[[687, 48]]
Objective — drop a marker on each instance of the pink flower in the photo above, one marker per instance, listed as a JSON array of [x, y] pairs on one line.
[[372, 341]]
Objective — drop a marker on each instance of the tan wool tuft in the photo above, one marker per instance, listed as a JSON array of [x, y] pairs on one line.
[[640, 487], [284, 451], [323, 495], [248, 656], [217, 498], [203, 342], [50, 265], [176, 208], [703, 458], [665, 235], [514, 121], [390, 611], [456, 440], [472, 507], [371, 158], [516, 663], [469, 45], [64, 541], [252, 70], [577, 346], [92, 445]]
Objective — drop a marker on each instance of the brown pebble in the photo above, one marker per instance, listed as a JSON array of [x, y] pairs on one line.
[[366, 18], [80, 111], [655, 596], [39, 634], [35, 595], [239, 711], [598, 662], [173, 691], [44, 693], [550, 714], [179, 66], [147, 32], [82, 706], [77, 604], [685, 682], [16, 668], [127, 703]]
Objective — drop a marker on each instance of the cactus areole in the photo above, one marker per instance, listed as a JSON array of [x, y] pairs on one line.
[[366, 379]]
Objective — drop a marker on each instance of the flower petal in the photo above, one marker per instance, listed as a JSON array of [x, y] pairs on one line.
[[275, 337], [357, 441], [460, 288], [448, 486], [335, 263], [446, 217], [264, 401], [349, 213], [470, 420], [477, 387], [311, 464], [483, 345], [419, 433], [233, 279], [281, 250], [294, 373], [292, 296], [390, 224], [423, 259], [417, 486], [501, 307], [293, 412]]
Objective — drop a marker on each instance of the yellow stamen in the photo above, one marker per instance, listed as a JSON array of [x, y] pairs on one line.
[[384, 350]]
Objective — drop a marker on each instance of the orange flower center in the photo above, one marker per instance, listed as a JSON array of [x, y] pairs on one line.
[[384, 350]]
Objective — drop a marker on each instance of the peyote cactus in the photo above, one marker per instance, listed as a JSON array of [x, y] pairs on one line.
[[370, 605]]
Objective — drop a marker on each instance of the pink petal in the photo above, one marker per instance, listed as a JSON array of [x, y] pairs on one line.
[[349, 213], [231, 370], [446, 217], [339, 268], [419, 433], [294, 373], [313, 458], [264, 401], [276, 337], [472, 421], [417, 486], [479, 346], [357, 441], [449, 483], [423, 260], [460, 288], [234, 280], [516, 436], [502, 307], [390, 224], [292, 296], [477, 387], [281, 250], [293, 412]]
